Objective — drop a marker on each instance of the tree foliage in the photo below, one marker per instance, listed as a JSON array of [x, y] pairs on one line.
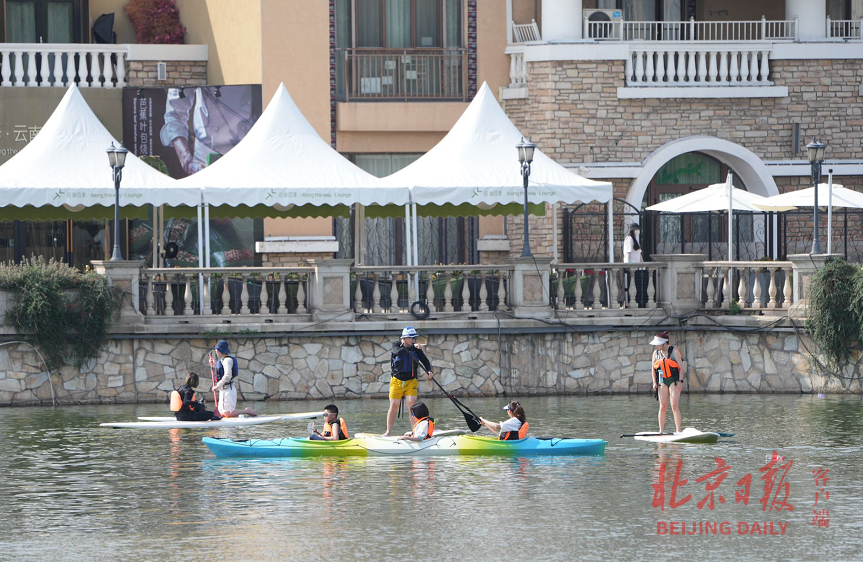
[[834, 311]]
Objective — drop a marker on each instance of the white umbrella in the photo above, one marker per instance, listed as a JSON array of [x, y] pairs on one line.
[[716, 197], [837, 196]]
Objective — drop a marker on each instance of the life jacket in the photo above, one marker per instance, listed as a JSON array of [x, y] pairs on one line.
[[403, 363], [177, 401], [666, 367], [513, 435], [431, 426], [343, 429], [220, 370]]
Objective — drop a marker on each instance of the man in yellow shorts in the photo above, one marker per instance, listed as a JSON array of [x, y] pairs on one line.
[[404, 357]]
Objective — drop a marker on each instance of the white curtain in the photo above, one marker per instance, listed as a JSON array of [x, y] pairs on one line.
[[59, 22], [398, 23], [21, 22]]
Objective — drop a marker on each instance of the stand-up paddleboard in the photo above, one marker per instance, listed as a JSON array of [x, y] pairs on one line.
[[171, 423], [688, 435], [284, 417]]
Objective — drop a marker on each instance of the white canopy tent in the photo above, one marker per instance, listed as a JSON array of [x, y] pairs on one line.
[[716, 197], [283, 164], [64, 172], [829, 195], [66, 165], [475, 165]]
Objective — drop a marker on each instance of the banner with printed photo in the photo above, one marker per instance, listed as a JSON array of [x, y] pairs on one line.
[[181, 131]]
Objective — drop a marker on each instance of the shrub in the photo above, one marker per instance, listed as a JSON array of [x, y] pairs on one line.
[[156, 21], [72, 329], [833, 290]]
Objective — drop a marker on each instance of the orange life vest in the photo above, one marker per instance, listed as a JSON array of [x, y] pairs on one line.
[[666, 366], [177, 401], [431, 426], [343, 429], [513, 435]]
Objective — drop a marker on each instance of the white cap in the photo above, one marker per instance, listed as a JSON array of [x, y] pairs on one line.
[[658, 341]]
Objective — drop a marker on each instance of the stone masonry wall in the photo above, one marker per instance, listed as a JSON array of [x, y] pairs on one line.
[[344, 367], [180, 73]]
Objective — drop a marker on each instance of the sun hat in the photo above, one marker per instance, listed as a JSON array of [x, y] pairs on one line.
[[660, 339], [222, 347], [409, 332]]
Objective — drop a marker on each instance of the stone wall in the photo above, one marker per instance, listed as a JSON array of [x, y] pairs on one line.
[[180, 73], [346, 367]]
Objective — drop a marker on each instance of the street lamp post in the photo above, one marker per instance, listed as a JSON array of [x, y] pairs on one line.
[[816, 158], [525, 157], [117, 159]]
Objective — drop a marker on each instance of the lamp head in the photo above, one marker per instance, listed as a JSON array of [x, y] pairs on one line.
[[529, 148], [816, 151], [520, 147], [117, 156]]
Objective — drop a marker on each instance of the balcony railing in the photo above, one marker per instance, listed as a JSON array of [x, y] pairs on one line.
[[750, 285], [716, 31], [62, 64], [844, 29], [405, 74], [698, 65], [604, 286]]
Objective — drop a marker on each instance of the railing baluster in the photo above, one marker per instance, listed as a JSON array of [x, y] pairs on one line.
[[772, 272], [169, 296], [560, 292], [483, 293], [501, 290], [394, 294], [284, 297], [301, 294], [208, 303], [413, 291], [710, 292], [597, 291], [447, 294], [787, 299], [578, 305], [359, 306], [648, 71], [121, 69], [757, 301], [244, 296], [430, 292], [465, 294], [187, 297], [224, 282], [148, 298], [265, 297], [70, 69], [376, 295], [31, 69], [83, 71], [615, 293]]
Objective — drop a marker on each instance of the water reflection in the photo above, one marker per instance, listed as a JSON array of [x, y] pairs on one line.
[[144, 495]]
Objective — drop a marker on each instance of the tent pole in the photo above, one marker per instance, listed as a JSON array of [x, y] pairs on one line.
[[207, 235], [415, 247], [408, 251], [554, 231], [161, 236], [155, 236], [200, 258], [829, 211], [611, 230]]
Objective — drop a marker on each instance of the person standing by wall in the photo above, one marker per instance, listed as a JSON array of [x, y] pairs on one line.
[[632, 254]]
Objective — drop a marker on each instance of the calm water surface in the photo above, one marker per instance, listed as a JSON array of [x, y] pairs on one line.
[[70, 490]]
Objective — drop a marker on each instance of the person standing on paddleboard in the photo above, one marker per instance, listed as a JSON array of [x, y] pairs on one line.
[[227, 373], [403, 384], [667, 372]]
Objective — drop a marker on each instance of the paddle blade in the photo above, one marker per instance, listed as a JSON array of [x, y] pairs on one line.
[[472, 422]]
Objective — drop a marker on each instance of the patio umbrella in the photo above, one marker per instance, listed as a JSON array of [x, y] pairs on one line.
[[837, 196], [716, 197]]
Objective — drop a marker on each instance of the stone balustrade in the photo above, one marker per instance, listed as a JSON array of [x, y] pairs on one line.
[[689, 65], [63, 64], [753, 285], [606, 286], [692, 31]]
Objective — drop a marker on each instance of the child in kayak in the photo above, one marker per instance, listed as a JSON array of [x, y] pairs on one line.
[[335, 428], [403, 384], [186, 403], [227, 373], [423, 425], [514, 428]]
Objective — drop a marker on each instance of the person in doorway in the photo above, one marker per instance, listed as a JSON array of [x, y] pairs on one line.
[[335, 428], [631, 254], [514, 428], [187, 404], [227, 373], [423, 425], [667, 372], [404, 357]]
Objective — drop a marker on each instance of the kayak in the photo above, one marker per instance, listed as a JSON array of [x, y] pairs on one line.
[[171, 423], [688, 435], [389, 446]]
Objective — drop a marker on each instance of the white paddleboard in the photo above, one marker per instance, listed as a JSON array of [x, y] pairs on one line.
[[283, 417], [171, 423], [688, 435]]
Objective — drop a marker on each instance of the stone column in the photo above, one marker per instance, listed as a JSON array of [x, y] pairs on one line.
[[804, 266], [561, 20], [126, 275], [330, 290], [811, 18], [529, 291], [679, 290]]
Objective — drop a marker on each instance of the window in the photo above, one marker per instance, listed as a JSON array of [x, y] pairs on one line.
[[439, 239], [403, 24], [43, 21]]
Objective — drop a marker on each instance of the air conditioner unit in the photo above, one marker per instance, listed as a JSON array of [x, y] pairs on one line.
[[602, 15]]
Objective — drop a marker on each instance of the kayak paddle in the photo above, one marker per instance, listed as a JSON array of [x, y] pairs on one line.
[[213, 376], [472, 419], [660, 434]]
